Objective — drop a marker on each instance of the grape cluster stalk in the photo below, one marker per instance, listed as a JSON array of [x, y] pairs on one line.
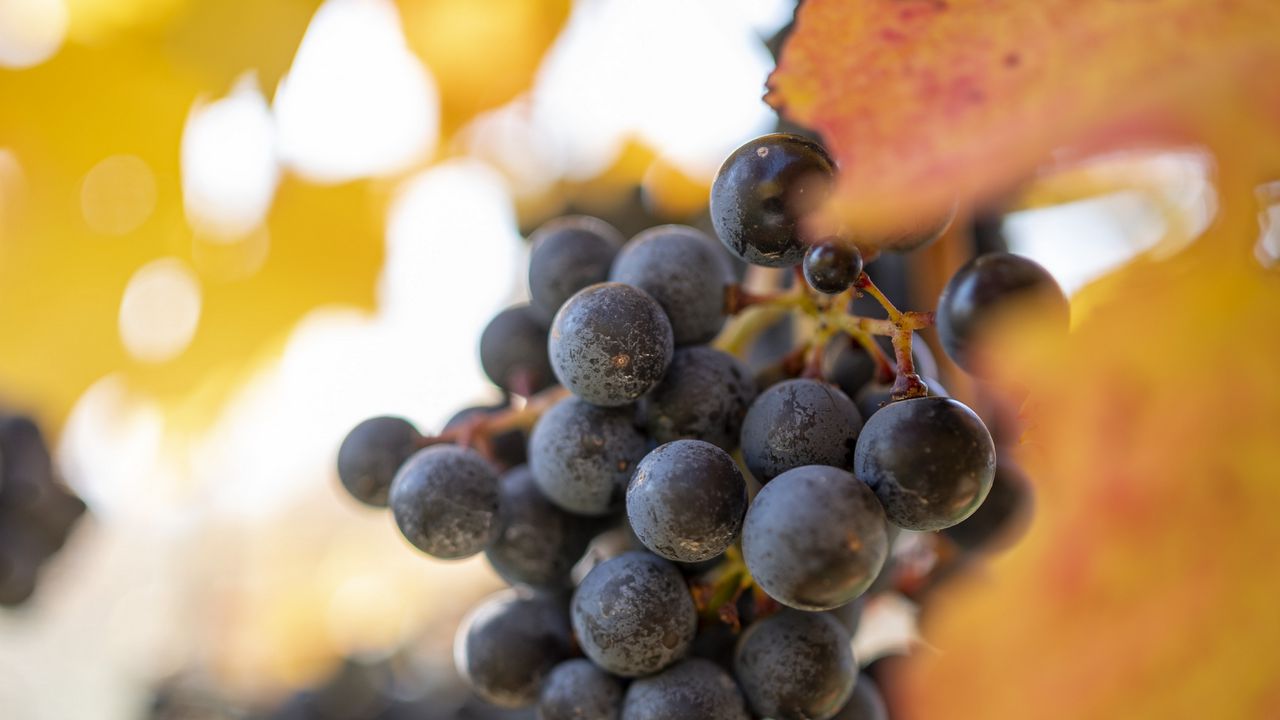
[[684, 537]]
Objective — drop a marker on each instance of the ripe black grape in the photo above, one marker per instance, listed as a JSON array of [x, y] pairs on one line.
[[610, 344], [762, 193], [704, 396], [371, 454], [633, 615], [513, 351], [578, 690], [537, 543], [831, 267], [681, 269], [815, 538], [687, 500], [865, 703], [582, 455], [796, 666], [568, 254], [509, 643], [986, 293], [799, 422], [1001, 518], [694, 689], [930, 460], [445, 501]]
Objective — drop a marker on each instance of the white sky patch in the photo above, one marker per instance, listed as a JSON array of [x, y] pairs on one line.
[[356, 102], [31, 31]]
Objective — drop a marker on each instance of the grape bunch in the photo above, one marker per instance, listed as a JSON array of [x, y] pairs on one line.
[[746, 514]]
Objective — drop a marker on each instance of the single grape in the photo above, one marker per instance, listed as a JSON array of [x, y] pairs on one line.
[[633, 615], [915, 237], [509, 643], [831, 267], [678, 266], [989, 292], [509, 447], [799, 422], [875, 395], [578, 690], [865, 703], [445, 501], [796, 666], [1002, 518], [849, 615], [582, 456], [513, 351], [19, 566], [687, 500], [762, 193], [930, 460], [568, 254], [537, 543], [26, 466], [694, 689], [815, 538], [610, 344], [704, 396], [371, 454]]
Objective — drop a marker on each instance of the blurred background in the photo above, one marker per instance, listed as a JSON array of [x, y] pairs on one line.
[[230, 229]]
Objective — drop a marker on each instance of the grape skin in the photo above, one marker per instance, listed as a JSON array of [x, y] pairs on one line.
[[509, 448], [815, 538], [537, 543], [875, 395], [633, 615], [796, 665], [610, 344], [582, 456], [445, 501], [930, 460], [865, 704], [678, 266], [509, 643], [687, 500], [1002, 518], [831, 267], [799, 422], [578, 690], [371, 454], [568, 254], [513, 351], [695, 689], [704, 396]]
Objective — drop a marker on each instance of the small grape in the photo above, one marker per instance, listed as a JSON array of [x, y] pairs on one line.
[[865, 704], [568, 254], [371, 454], [1002, 518], [815, 538], [537, 543], [704, 396], [796, 666], [513, 351], [445, 501], [762, 193], [687, 500], [695, 689], [509, 643], [610, 344], [680, 268], [831, 267], [799, 422], [930, 460], [578, 690], [582, 456], [633, 615]]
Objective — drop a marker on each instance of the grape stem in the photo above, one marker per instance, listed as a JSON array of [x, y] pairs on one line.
[[477, 432]]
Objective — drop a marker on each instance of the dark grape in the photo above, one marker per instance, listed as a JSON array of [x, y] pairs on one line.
[[913, 238], [763, 191], [930, 460], [704, 396], [687, 500], [513, 351], [680, 268], [633, 615], [986, 293], [445, 501], [831, 267], [509, 448], [865, 704], [578, 690], [849, 615], [19, 565], [876, 395], [1002, 518], [508, 644], [815, 538], [695, 689], [371, 454], [582, 456], [26, 467], [568, 254], [537, 543], [799, 422], [796, 666], [610, 344]]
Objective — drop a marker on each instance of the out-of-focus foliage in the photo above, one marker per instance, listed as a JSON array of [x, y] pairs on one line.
[[1142, 590]]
